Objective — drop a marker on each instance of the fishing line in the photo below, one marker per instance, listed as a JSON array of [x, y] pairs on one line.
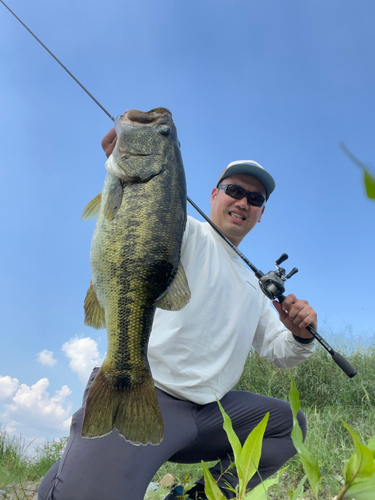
[[61, 64], [272, 283]]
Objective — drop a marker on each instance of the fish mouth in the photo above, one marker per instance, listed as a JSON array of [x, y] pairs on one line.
[[145, 118], [237, 216], [158, 118], [127, 154]]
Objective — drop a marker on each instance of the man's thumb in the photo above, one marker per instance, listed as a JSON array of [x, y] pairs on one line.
[[279, 309]]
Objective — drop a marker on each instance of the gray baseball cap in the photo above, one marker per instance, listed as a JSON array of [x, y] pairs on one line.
[[249, 167]]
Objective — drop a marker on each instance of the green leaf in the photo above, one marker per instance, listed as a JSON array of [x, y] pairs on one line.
[[294, 398], [371, 445], [211, 489], [309, 463], [250, 455], [232, 436], [369, 184], [311, 467], [299, 490], [362, 491], [369, 180], [260, 491], [361, 464]]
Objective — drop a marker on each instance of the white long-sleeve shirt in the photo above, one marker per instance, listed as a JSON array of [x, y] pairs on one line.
[[199, 353]]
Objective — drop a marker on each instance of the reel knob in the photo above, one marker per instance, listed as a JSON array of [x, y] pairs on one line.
[[282, 259]]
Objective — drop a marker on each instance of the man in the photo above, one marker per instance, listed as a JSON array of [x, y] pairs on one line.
[[198, 354]]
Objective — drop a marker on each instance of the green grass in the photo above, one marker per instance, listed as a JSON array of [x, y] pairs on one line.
[[327, 440], [326, 394], [16, 467], [327, 397], [319, 380]]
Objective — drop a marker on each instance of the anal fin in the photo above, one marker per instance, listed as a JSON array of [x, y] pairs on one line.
[[94, 314]]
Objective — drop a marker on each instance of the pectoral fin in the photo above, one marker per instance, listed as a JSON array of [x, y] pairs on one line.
[[114, 198], [92, 208], [178, 293], [94, 314]]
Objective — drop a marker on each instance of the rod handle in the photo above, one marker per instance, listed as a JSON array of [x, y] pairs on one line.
[[344, 364]]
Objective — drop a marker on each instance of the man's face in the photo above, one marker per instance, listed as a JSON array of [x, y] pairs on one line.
[[235, 218]]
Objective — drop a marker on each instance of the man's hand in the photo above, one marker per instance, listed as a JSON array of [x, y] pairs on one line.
[[296, 315], [109, 142]]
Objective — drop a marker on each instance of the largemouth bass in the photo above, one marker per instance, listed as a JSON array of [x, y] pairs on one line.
[[135, 262]]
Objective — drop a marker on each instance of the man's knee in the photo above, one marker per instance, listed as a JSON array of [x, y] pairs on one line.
[[45, 488]]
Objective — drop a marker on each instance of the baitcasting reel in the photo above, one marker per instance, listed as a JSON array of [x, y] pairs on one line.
[[272, 283]]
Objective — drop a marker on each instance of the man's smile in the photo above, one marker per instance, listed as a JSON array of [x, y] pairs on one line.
[[237, 215], [235, 218]]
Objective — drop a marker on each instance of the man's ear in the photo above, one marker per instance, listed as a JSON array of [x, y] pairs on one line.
[[213, 195], [261, 213]]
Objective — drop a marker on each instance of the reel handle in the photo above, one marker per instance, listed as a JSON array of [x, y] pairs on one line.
[[282, 258]]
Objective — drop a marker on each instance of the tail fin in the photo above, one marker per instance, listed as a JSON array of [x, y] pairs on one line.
[[133, 411]]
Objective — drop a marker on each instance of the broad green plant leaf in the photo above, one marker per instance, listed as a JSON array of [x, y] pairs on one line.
[[211, 489], [246, 458], [361, 464], [250, 455], [368, 179], [362, 491], [309, 463], [232, 436], [260, 491]]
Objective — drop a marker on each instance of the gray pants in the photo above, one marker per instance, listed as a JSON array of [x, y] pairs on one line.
[[113, 469]]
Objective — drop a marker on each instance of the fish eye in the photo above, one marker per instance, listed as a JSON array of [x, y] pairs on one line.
[[164, 130]]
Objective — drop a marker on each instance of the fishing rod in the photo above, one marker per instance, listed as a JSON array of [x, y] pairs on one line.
[[271, 283]]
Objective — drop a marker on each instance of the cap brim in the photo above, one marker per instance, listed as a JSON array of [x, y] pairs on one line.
[[250, 169]]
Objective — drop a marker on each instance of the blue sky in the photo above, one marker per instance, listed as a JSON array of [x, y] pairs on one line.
[[277, 82]]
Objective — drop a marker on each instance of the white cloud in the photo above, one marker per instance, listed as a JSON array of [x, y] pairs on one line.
[[8, 386], [46, 358], [33, 407], [84, 356], [11, 427], [66, 424]]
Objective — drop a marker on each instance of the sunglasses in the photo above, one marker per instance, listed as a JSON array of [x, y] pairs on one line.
[[238, 192]]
